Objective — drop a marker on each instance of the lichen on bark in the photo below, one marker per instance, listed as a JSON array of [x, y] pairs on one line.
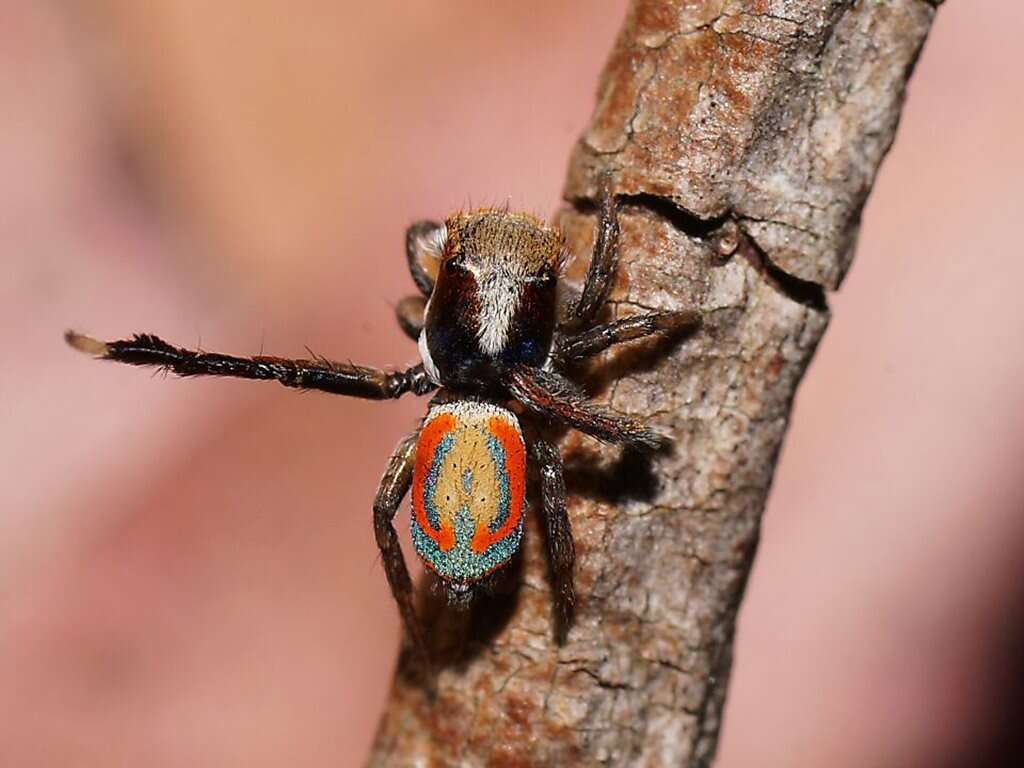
[[744, 137]]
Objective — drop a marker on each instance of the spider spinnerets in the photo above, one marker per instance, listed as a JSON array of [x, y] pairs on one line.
[[491, 331]]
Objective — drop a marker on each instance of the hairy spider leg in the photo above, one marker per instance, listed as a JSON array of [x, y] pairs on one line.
[[595, 340], [550, 394], [558, 529], [319, 374], [605, 258], [423, 253], [410, 314], [393, 486]]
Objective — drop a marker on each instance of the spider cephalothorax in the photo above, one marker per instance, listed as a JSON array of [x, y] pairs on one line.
[[493, 304], [488, 335]]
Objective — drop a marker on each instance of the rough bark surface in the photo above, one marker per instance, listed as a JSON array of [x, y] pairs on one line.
[[744, 136]]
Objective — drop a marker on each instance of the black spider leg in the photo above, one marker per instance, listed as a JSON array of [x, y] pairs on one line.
[[561, 548], [555, 397], [318, 374], [417, 237], [410, 314], [604, 260], [590, 342], [393, 487]]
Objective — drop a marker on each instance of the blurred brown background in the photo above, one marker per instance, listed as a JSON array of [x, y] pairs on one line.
[[187, 569]]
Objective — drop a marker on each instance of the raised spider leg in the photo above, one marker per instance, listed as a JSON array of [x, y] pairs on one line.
[[393, 487], [604, 260], [561, 547], [599, 338], [318, 374], [410, 315], [552, 395], [421, 241]]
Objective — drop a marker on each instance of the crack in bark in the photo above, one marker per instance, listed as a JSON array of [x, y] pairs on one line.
[[804, 292], [686, 222]]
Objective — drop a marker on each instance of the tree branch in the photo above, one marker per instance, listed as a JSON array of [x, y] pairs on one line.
[[744, 136]]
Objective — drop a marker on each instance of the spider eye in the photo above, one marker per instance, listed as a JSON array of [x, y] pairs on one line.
[[527, 349]]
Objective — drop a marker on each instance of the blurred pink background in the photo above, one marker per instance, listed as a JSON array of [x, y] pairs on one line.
[[187, 569]]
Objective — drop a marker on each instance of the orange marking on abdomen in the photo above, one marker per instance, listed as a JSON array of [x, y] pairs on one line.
[[515, 469], [426, 450]]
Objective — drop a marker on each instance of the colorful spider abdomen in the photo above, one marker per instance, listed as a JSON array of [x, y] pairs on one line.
[[468, 490]]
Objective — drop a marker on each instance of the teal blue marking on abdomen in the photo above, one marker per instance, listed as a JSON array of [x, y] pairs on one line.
[[430, 485]]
